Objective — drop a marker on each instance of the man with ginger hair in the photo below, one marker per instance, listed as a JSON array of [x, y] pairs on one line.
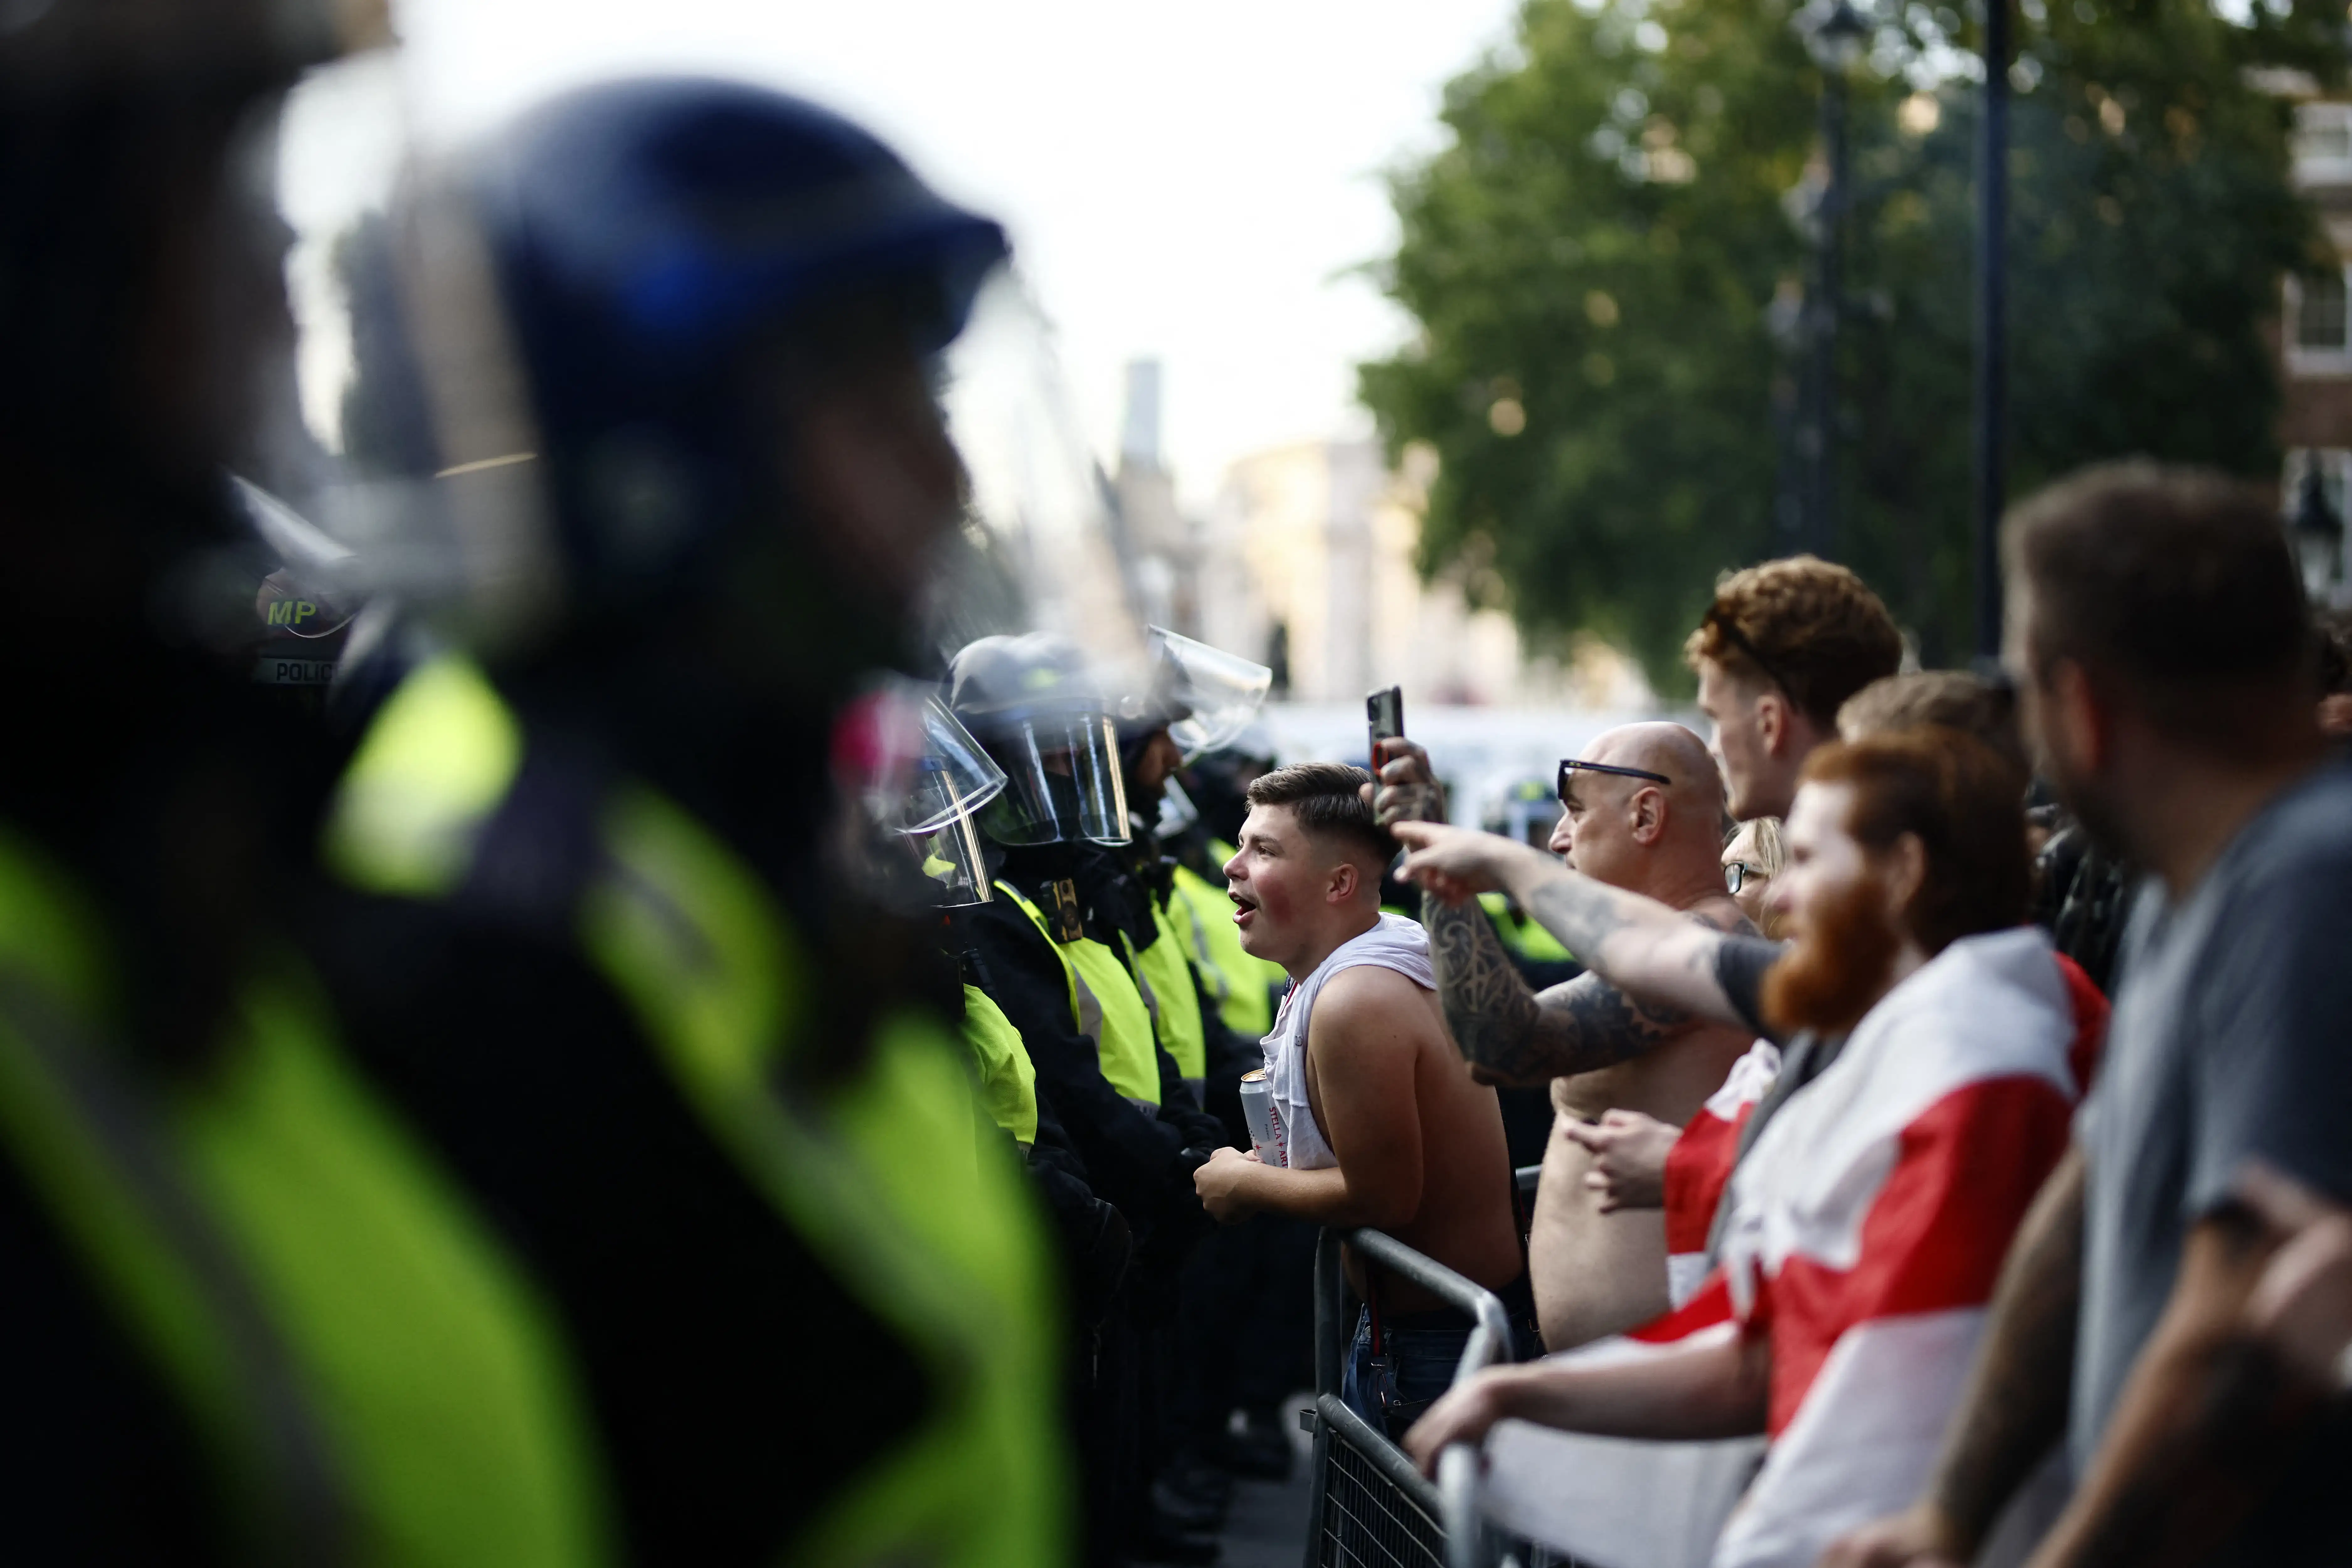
[[1380, 1124], [1865, 1228], [1781, 647]]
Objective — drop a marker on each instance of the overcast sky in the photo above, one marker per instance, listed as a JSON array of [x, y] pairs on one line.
[[1186, 182]]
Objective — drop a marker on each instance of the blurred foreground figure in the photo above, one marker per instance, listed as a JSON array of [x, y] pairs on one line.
[[2163, 653], [606, 936], [248, 1314]]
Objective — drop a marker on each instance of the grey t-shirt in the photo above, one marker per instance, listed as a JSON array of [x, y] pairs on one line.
[[2231, 1037]]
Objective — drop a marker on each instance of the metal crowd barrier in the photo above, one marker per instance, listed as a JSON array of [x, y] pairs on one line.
[[1371, 1509]]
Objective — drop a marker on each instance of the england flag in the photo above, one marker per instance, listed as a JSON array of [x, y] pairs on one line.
[[1867, 1228]]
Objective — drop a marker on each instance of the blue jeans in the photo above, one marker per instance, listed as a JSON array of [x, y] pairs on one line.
[[1420, 1366]]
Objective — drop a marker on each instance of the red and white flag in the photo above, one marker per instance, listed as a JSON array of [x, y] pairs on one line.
[[1698, 1167], [1867, 1228]]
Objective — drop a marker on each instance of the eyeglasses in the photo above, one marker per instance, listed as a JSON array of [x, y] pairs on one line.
[[1569, 764], [1736, 874]]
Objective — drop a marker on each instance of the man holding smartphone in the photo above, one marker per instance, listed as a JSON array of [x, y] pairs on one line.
[[1643, 812]]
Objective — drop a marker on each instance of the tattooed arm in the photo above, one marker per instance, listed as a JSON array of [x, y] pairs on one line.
[[1512, 1034], [1642, 947]]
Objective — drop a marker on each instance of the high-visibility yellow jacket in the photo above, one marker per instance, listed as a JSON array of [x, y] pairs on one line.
[[371, 1374], [874, 1172]]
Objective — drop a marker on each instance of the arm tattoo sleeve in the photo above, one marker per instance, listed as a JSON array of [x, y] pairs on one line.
[[1514, 1035], [1581, 913]]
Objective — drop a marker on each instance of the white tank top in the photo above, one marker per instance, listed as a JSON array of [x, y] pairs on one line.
[[1395, 943]]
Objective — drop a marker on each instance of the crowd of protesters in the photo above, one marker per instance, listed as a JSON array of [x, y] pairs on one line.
[[1950, 1261], [651, 1020]]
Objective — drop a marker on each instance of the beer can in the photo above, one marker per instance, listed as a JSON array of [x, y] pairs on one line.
[[1265, 1120]]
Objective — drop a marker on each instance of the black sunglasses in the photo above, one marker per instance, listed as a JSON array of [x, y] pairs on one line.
[[1569, 764]]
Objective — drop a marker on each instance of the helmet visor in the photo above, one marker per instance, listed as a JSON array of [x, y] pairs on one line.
[[952, 863], [1177, 811], [1214, 693], [953, 778], [1063, 783]]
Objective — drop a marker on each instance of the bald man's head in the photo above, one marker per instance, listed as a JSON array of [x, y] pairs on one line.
[[1662, 840]]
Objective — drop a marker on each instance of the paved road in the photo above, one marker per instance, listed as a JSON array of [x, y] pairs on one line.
[[1267, 1527]]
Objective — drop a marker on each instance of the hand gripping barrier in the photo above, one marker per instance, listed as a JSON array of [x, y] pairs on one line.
[[1371, 1509]]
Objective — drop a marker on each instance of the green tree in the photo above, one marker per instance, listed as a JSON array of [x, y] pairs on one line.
[[1607, 264]]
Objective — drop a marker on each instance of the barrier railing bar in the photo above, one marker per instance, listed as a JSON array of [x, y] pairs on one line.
[[1489, 1341], [1330, 1293], [1453, 1502], [1385, 1455]]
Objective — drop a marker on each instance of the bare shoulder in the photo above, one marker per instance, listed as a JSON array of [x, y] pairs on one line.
[[1372, 1004]]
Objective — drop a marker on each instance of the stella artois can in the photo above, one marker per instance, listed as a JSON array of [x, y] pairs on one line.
[[1265, 1120]]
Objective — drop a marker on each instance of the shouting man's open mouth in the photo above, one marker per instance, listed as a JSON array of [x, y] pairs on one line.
[[1244, 907]]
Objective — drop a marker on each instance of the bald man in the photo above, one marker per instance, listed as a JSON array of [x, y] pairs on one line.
[[1645, 813]]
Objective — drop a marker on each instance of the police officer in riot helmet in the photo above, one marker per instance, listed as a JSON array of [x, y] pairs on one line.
[[931, 841], [1058, 951], [184, 1153], [654, 360]]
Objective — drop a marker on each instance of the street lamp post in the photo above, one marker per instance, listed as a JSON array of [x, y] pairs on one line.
[[1834, 35], [2318, 534]]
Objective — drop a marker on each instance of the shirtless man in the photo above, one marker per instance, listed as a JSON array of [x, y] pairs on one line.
[[1644, 812], [1383, 1125]]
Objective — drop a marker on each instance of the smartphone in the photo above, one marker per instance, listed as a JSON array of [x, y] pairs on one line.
[[1384, 713]]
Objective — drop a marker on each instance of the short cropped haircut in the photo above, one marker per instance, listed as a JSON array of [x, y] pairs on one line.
[[1952, 697], [1966, 804], [1325, 798], [1812, 629], [2176, 586]]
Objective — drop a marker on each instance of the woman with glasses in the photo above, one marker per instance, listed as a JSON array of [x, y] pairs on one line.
[[1752, 857]]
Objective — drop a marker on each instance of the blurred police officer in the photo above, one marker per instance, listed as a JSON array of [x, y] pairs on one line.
[[250, 1315], [662, 392]]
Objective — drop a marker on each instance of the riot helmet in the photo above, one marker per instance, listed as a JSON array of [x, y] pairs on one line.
[[1205, 696], [935, 816], [1198, 697], [1035, 704], [620, 325]]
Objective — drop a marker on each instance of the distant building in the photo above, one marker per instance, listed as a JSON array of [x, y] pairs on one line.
[[1158, 546], [2315, 350], [1306, 562]]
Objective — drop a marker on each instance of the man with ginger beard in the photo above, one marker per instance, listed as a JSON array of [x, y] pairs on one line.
[[1859, 1240]]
